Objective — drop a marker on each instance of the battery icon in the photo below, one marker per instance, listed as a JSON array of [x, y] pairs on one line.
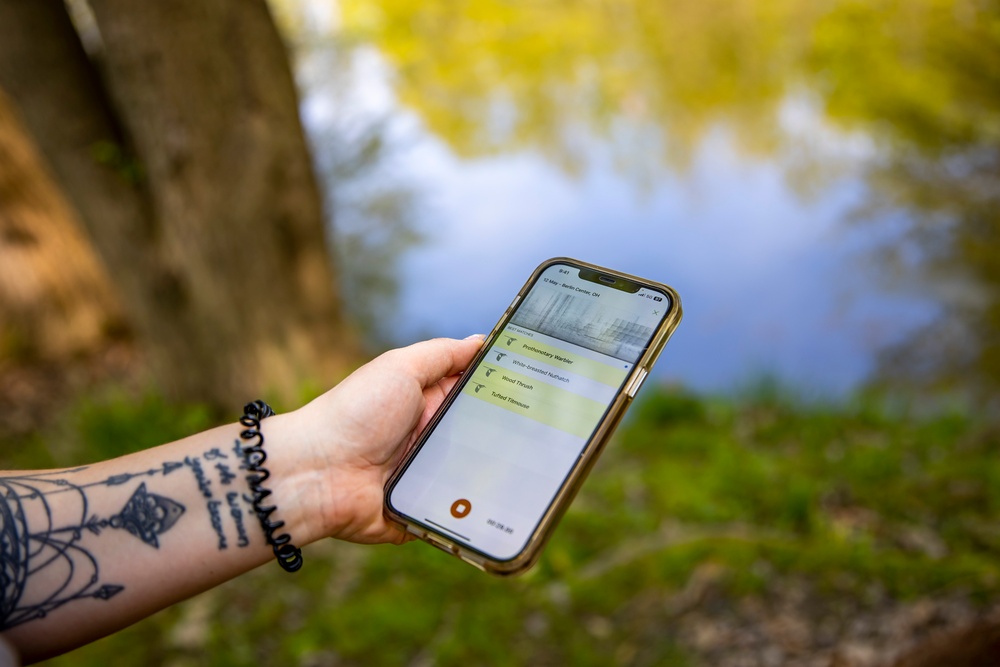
[[657, 298]]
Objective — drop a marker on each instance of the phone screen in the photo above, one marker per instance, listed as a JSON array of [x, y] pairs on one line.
[[488, 471]]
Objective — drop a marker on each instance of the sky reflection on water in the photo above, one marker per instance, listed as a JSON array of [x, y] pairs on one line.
[[770, 284], [773, 282]]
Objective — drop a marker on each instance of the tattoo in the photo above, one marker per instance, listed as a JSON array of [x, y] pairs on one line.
[[225, 476], [33, 540], [113, 480], [232, 498], [147, 515], [170, 467], [204, 485], [240, 455], [213, 510]]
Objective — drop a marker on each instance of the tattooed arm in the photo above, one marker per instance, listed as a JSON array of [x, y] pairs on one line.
[[89, 550]]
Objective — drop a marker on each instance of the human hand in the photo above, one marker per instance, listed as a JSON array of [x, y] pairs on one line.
[[348, 441], [328, 463]]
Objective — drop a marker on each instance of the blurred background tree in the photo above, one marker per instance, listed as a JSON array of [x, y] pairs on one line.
[[173, 131], [55, 297], [494, 76], [929, 89]]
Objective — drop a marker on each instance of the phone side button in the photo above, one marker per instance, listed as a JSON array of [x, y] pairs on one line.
[[441, 545], [636, 383], [472, 562], [503, 319]]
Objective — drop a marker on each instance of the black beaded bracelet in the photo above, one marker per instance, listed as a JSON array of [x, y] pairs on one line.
[[289, 556]]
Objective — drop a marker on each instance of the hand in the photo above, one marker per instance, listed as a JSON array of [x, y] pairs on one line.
[[328, 464], [350, 439]]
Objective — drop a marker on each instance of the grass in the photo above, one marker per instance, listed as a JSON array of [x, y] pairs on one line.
[[752, 492]]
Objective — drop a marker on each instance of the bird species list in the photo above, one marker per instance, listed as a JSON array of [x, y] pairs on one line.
[[532, 377]]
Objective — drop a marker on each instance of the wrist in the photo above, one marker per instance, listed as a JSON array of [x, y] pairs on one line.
[[277, 484]]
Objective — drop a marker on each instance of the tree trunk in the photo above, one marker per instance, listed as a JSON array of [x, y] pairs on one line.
[[197, 189], [55, 299]]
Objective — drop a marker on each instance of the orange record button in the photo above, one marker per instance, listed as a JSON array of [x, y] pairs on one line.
[[461, 508]]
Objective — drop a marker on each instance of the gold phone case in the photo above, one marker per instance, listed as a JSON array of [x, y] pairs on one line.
[[533, 547]]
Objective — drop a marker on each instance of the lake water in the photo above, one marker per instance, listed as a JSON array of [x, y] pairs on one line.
[[777, 279]]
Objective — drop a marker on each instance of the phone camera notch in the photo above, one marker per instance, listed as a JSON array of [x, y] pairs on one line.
[[607, 280]]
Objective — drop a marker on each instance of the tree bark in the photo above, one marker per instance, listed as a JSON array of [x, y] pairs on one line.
[[56, 300], [187, 160]]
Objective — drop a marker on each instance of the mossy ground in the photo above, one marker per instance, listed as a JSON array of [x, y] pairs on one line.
[[857, 504]]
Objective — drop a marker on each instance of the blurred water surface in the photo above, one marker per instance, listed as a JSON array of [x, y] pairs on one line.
[[819, 181]]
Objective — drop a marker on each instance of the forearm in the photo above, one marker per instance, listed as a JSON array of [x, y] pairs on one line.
[[86, 551], [89, 550]]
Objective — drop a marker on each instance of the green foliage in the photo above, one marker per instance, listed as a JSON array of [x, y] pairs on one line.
[[118, 424], [114, 156], [755, 490], [490, 76], [105, 426]]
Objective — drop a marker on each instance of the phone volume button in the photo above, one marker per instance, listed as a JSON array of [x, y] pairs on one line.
[[506, 314], [636, 383]]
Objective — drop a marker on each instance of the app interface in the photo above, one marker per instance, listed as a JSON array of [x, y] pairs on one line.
[[495, 461]]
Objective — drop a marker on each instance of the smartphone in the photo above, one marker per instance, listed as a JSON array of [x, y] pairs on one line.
[[501, 460]]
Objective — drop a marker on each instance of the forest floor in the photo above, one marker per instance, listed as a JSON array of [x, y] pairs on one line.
[[714, 531], [36, 393]]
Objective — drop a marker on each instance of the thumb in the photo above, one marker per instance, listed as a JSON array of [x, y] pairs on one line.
[[430, 361]]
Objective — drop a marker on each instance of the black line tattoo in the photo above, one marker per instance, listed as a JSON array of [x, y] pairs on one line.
[[214, 507], [240, 455], [26, 550], [146, 515], [225, 475], [213, 511], [204, 484], [233, 498], [113, 480]]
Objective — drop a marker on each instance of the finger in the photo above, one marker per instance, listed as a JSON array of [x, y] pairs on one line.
[[446, 384], [430, 361]]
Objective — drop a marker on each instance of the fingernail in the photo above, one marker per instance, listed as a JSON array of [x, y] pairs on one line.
[[479, 337]]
